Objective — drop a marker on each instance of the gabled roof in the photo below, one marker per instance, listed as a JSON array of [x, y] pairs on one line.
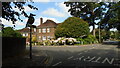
[[25, 30], [48, 23]]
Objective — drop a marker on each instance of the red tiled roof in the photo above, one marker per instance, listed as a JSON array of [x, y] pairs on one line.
[[48, 23], [24, 30]]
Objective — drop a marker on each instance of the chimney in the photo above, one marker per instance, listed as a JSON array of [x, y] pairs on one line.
[[41, 21]]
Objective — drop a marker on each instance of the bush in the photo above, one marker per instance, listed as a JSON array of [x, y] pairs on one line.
[[47, 43], [87, 40], [9, 32], [40, 43], [72, 27]]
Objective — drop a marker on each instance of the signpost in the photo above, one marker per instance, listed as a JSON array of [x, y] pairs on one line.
[[29, 24]]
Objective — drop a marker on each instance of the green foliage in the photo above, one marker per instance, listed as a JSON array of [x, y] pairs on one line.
[[9, 32], [112, 17], [88, 11], [34, 39], [9, 13], [72, 27], [46, 43], [87, 40]]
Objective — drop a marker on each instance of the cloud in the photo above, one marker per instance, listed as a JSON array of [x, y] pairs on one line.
[[41, 0], [27, 9], [37, 21], [9, 23], [49, 0], [61, 11], [53, 12], [63, 8]]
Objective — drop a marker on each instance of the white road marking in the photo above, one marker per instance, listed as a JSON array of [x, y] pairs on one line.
[[81, 57], [79, 53], [97, 60], [56, 64], [75, 59], [70, 57], [86, 58], [92, 58], [106, 59]]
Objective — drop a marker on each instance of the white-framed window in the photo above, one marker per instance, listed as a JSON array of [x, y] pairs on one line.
[[34, 29], [43, 37], [26, 34], [23, 34], [48, 30], [39, 30], [44, 30], [39, 37], [48, 37]]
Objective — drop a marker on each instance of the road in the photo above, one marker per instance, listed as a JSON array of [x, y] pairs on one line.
[[89, 55]]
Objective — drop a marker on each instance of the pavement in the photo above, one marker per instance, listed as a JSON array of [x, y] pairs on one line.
[[23, 61]]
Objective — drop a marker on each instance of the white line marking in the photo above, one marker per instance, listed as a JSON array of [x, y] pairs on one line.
[[106, 59], [86, 58], [79, 53], [56, 64], [97, 60], [70, 57], [75, 59], [81, 57], [92, 58]]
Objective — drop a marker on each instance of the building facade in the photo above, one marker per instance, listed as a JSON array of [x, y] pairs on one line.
[[46, 30], [25, 32]]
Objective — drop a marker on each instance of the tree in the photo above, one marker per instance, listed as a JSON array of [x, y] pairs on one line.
[[104, 34], [9, 13], [72, 27], [9, 32], [89, 11], [112, 17]]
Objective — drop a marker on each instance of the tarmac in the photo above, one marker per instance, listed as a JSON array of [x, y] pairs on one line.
[[23, 61]]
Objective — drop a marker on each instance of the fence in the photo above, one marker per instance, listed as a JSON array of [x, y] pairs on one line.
[[12, 46]]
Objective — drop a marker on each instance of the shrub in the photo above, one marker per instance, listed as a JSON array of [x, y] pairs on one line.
[[72, 27], [9, 32], [87, 40], [47, 43]]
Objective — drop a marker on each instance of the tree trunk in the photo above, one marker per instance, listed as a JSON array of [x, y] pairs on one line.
[[94, 30]]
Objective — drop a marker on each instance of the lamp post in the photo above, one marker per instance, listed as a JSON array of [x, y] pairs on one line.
[[29, 24]]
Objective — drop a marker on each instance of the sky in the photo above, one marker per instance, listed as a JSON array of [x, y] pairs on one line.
[[56, 11], [47, 9]]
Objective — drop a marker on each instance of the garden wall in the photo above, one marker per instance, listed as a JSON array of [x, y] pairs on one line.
[[13, 46]]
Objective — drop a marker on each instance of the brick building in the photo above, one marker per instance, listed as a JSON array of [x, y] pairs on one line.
[[46, 30], [25, 32]]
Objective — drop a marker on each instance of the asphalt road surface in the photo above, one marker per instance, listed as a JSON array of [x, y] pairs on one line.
[[89, 55]]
